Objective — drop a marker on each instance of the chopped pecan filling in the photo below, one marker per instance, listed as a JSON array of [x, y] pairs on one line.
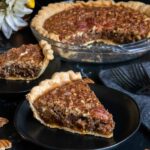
[[25, 61], [19, 70], [75, 106], [79, 25]]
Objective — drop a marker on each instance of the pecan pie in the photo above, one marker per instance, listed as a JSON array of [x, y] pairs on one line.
[[66, 102], [27, 62], [86, 22]]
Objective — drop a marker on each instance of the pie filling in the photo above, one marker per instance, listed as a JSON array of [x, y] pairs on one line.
[[25, 61], [79, 25], [76, 107], [19, 70]]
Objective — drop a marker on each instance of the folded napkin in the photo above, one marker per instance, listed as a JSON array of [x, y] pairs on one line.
[[142, 100]]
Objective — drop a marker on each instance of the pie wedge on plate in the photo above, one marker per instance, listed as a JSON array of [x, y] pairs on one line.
[[66, 102], [27, 62]]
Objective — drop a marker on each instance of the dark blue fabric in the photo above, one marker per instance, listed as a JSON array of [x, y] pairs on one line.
[[142, 101]]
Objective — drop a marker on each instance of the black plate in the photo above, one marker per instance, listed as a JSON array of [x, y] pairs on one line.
[[124, 109], [10, 86]]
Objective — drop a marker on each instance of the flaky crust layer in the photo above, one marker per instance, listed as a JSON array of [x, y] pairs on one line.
[[57, 80], [48, 55], [52, 9]]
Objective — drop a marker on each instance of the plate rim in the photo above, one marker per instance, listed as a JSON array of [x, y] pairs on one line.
[[31, 140]]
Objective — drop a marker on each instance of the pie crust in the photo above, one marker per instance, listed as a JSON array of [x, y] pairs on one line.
[[52, 9], [58, 80], [47, 53]]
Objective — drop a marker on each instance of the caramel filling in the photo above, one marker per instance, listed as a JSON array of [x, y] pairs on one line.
[[25, 61], [118, 24]]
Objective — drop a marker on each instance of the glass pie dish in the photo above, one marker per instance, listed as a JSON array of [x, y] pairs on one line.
[[97, 52]]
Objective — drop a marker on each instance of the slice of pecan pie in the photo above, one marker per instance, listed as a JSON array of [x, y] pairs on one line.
[[86, 22], [27, 62], [66, 102]]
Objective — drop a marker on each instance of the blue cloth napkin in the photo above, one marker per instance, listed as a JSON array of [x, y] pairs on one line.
[[142, 100]]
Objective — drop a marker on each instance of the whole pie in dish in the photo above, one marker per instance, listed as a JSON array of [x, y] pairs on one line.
[[27, 62], [66, 102], [85, 22]]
